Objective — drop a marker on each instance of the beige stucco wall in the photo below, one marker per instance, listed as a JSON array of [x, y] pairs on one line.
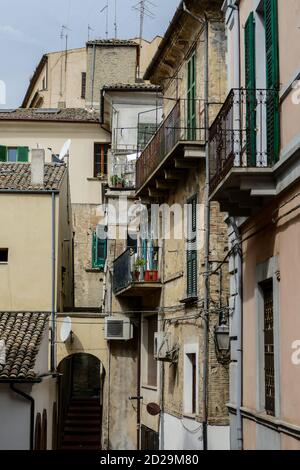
[[27, 233], [275, 240], [84, 188], [63, 75]]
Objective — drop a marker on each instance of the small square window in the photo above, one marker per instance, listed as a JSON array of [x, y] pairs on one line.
[[3, 255]]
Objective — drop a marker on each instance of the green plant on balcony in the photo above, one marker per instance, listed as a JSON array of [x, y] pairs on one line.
[[117, 181], [139, 264]]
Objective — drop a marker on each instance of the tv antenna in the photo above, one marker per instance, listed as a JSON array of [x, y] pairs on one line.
[[116, 20], [144, 8], [106, 8], [89, 30]]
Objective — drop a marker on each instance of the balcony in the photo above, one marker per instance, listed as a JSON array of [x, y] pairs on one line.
[[122, 175], [243, 150], [136, 274], [175, 148]]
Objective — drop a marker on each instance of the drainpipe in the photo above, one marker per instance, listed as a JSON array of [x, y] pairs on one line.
[[32, 406], [207, 243], [238, 268], [205, 22], [53, 310], [238, 260], [138, 388]]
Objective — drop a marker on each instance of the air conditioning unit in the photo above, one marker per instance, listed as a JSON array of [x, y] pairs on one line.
[[120, 329], [164, 350]]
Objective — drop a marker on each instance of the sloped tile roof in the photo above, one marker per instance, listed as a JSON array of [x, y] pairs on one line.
[[22, 334], [112, 42], [75, 115], [133, 87], [17, 177]]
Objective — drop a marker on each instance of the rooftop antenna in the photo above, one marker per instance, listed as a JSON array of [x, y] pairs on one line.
[[64, 34], [144, 8], [107, 11], [116, 20], [89, 30]]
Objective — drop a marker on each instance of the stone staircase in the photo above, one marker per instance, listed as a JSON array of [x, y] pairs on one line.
[[82, 426]]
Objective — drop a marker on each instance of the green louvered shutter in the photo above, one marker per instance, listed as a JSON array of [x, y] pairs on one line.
[[192, 252], [272, 73], [23, 154], [250, 81], [3, 153], [191, 98]]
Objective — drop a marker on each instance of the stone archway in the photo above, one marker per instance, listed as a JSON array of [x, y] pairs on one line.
[[80, 412]]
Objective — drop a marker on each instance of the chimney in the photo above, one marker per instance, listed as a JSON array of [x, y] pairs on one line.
[[37, 167]]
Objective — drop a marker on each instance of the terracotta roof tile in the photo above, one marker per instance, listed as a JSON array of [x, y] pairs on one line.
[[17, 177], [112, 42], [43, 114], [22, 334], [133, 86]]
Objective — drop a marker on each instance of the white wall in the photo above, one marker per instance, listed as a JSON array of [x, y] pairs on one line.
[[45, 394], [218, 437], [14, 420], [180, 434]]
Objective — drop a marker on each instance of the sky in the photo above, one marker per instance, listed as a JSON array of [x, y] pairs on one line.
[[30, 28]]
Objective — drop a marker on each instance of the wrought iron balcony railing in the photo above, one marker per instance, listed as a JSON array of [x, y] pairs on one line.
[[185, 123], [245, 133], [132, 267]]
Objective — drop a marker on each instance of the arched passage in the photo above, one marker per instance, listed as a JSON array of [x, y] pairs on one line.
[[80, 402]]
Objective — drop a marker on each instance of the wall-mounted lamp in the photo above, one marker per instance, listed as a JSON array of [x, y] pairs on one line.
[[222, 340]]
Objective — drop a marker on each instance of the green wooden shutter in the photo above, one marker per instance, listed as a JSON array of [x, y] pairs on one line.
[[3, 153], [272, 73], [191, 98], [22, 155], [192, 252], [250, 82]]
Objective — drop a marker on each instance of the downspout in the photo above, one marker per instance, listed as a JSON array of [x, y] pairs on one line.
[[205, 23], [53, 309], [32, 407], [238, 257], [138, 388], [207, 243]]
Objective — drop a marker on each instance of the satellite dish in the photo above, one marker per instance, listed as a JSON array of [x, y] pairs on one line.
[[66, 329], [65, 150]]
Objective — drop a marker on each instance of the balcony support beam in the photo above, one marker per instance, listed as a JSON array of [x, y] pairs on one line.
[[173, 175], [161, 184], [185, 164], [155, 193]]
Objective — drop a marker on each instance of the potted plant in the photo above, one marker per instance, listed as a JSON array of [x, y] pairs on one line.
[[151, 275], [139, 264]]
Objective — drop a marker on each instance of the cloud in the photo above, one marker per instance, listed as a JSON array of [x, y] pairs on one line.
[[16, 34]]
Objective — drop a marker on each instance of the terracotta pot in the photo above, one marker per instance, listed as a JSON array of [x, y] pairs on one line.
[[151, 276], [137, 275]]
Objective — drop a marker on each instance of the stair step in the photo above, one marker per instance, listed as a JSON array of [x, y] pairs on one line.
[[79, 448], [81, 430], [86, 416], [78, 439], [85, 409]]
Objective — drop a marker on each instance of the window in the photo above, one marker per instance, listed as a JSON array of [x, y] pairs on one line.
[[190, 379], [83, 85], [100, 159], [145, 133], [192, 248], [13, 154], [152, 364], [149, 340], [269, 363], [99, 252], [191, 98], [3, 255]]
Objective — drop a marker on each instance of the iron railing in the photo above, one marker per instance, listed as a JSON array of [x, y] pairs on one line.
[[240, 135], [184, 123], [134, 266]]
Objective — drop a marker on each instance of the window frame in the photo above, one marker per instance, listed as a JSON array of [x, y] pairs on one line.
[[102, 164], [191, 254]]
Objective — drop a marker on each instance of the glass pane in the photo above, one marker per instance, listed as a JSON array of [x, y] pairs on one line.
[[11, 154]]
